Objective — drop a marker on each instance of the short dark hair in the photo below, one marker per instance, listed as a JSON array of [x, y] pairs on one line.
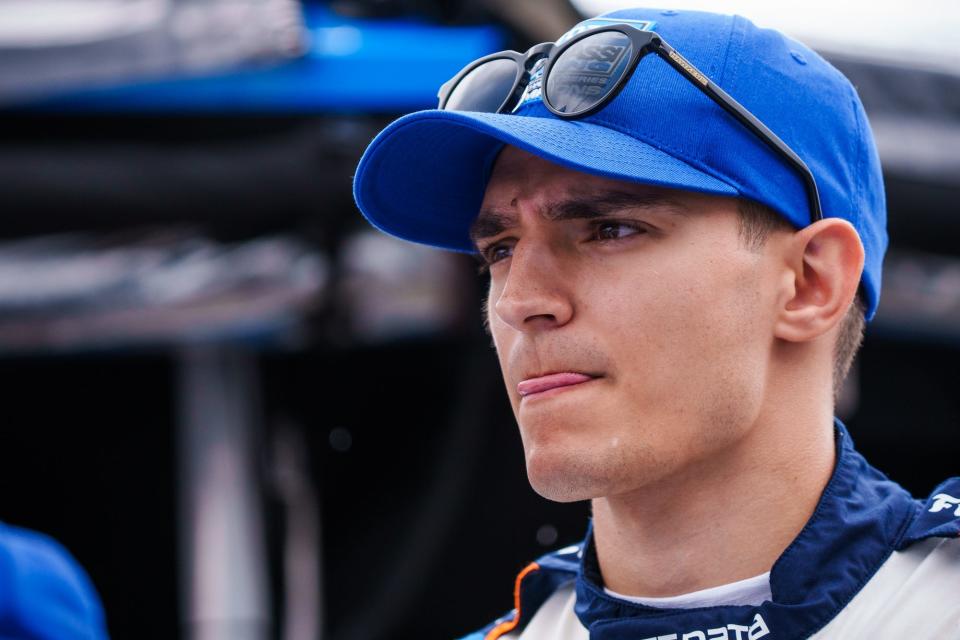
[[757, 222]]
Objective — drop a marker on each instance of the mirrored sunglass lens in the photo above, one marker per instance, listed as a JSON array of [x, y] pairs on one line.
[[485, 88], [588, 71]]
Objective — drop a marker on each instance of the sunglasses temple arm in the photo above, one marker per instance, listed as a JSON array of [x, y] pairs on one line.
[[747, 119]]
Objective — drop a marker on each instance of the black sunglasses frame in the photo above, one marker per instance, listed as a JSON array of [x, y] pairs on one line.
[[643, 42], [525, 63]]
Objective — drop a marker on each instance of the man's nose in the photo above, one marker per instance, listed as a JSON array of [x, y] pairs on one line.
[[534, 295]]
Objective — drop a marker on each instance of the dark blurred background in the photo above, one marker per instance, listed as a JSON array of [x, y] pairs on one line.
[[250, 416]]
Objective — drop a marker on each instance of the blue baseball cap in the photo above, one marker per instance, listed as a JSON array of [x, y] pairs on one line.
[[423, 177]]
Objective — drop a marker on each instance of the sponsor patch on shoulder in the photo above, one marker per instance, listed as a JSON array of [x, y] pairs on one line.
[[939, 517]]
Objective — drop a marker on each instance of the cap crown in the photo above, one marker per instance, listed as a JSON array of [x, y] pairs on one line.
[[808, 103]]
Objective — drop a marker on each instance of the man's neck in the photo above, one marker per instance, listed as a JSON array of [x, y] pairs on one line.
[[720, 520]]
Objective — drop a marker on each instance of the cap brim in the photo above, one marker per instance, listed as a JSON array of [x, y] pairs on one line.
[[423, 177]]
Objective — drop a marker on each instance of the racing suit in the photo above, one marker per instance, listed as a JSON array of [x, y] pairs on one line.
[[871, 562]]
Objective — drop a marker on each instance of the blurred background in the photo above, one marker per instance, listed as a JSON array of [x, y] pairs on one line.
[[250, 416]]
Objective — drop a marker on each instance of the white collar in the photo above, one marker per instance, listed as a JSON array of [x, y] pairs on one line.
[[752, 591]]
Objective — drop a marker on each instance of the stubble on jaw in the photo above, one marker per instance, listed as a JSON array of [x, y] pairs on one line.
[[619, 468], [568, 476]]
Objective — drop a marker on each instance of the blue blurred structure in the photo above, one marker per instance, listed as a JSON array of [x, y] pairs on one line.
[[350, 66], [46, 595]]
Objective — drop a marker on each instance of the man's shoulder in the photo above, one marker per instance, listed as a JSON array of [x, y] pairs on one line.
[[44, 593], [912, 595]]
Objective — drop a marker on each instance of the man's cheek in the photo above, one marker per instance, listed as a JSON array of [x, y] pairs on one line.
[[500, 335], [501, 346]]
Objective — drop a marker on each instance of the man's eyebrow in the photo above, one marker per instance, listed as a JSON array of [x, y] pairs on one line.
[[492, 221], [602, 204]]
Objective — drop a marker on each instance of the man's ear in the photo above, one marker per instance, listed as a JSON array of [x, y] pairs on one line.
[[825, 261]]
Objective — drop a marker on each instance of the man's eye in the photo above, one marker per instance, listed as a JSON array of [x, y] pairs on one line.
[[611, 230], [496, 252]]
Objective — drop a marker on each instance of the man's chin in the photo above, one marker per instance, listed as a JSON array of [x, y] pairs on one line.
[[575, 471], [561, 479]]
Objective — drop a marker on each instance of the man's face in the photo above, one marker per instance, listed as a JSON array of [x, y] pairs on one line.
[[653, 303]]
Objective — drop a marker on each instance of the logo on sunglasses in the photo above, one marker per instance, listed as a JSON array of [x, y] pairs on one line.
[[595, 59], [594, 65], [587, 71]]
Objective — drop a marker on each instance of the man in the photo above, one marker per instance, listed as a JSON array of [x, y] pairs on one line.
[[679, 275]]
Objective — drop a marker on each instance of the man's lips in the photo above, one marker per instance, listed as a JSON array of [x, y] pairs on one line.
[[550, 381]]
